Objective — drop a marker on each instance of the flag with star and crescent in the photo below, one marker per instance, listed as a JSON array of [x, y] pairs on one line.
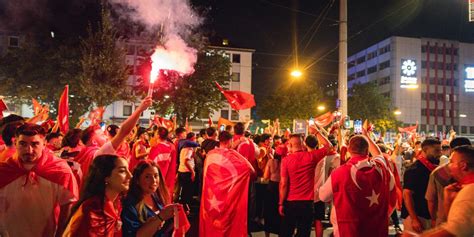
[[362, 190], [223, 210]]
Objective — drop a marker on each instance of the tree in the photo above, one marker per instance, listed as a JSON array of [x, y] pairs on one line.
[[298, 101], [365, 102], [40, 72], [104, 70], [193, 96]]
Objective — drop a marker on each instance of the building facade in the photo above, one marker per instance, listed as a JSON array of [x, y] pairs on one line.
[[240, 78], [429, 81]]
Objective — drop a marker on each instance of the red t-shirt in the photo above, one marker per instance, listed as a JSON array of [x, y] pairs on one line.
[[299, 168]]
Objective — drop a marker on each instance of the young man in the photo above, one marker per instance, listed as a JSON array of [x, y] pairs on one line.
[[361, 191], [440, 178], [33, 183], [297, 185], [225, 191], [415, 181], [458, 200]]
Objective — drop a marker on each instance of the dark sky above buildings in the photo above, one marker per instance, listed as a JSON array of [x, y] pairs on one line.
[[274, 28]]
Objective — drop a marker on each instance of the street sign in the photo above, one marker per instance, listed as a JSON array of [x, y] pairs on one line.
[[299, 126]]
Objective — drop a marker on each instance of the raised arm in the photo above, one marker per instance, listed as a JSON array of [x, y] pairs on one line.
[[128, 124]]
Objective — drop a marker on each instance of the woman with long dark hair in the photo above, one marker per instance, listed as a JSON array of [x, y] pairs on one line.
[[97, 213], [146, 209]]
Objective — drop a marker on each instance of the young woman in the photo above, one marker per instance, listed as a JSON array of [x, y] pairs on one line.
[[97, 213], [146, 209], [140, 148]]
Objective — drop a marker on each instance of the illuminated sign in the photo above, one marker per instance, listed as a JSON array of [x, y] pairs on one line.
[[469, 79], [408, 74]]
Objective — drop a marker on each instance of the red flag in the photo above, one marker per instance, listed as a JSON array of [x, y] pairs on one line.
[[181, 223], [63, 111], [371, 184], [209, 122], [324, 120], [3, 107], [225, 122], [238, 100], [409, 129], [36, 106], [223, 209]]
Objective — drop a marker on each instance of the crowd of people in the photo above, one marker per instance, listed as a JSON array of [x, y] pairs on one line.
[[129, 180]]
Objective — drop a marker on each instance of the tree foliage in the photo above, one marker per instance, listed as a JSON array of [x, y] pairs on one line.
[[298, 101], [194, 96], [104, 70], [365, 102]]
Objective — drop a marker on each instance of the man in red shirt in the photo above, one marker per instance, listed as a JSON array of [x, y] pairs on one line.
[[297, 185]]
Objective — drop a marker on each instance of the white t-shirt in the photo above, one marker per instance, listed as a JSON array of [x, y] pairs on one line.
[[186, 155], [461, 214], [29, 210]]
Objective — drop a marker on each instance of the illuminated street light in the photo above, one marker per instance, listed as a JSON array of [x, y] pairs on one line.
[[462, 116], [321, 107], [167, 96], [397, 112], [296, 73]]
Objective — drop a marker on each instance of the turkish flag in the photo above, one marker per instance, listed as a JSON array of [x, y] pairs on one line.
[[224, 200], [363, 199], [238, 100], [210, 123], [63, 111], [164, 155], [36, 106], [3, 107], [324, 120], [225, 122], [409, 129]]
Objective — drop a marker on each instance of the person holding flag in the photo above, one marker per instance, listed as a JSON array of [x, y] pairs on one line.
[[224, 199]]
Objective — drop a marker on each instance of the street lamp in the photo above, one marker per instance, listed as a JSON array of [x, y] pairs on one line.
[[397, 112], [296, 73], [321, 108]]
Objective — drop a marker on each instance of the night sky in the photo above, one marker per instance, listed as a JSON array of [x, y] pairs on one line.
[[273, 28], [269, 27]]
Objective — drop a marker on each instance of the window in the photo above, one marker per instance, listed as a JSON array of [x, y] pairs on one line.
[[423, 64], [235, 76], [471, 130], [14, 41], [351, 77], [352, 63], [361, 60], [423, 49], [127, 110], [384, 80], [463, 129], [371, 69], [384, 49], [371, 55], [384, 65], [236, 58], [225, 113], [361, 73], [234, 115], [423, 127]]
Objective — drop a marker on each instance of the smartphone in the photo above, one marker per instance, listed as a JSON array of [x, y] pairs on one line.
[[222, 128], [358, 126]]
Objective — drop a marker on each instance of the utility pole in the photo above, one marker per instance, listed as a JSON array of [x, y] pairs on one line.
[[342, 75]]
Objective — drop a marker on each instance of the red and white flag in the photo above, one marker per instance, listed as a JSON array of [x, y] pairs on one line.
[[63, 111], [363, 191], [238, 100], [3, 107], [224, 202], [324, 120], [409, 129], [209, 122]]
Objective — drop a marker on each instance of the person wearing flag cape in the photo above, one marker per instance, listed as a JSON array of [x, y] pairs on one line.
[[361, 191], [34, 184]]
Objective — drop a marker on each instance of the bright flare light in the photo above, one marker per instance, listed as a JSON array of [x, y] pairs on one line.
[[397, 112], [321, 108], [296, 73]]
